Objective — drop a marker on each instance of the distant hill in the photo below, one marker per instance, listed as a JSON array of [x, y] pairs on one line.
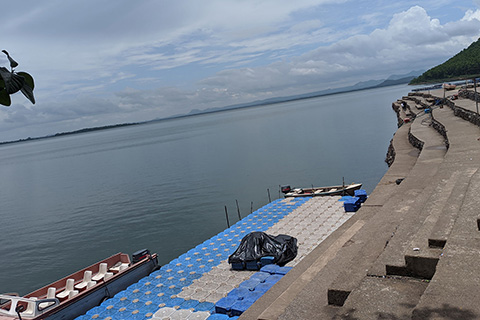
[[370, 84], [392, 80], [464, 65]]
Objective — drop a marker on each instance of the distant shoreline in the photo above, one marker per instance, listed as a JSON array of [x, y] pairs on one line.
[[209, 111]]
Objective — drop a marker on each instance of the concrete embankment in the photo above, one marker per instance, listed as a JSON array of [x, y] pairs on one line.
[[413, 250]]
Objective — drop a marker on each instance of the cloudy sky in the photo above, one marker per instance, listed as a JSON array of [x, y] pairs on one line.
[[99, 62]]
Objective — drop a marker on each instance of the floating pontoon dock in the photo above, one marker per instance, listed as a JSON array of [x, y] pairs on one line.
[[196, 284]]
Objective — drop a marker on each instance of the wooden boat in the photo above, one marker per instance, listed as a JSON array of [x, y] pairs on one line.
[[341, 190], [79, 292], [448, 86]]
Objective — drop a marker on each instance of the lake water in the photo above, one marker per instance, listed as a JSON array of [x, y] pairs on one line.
[[70, 201]]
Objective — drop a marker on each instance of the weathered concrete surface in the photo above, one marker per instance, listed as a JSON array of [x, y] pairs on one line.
[[355, 267]]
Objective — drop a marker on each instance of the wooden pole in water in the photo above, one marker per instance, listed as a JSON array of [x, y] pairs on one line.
[[238, 211], [251, 207], [269, 198], [226, 215], [475, 85]]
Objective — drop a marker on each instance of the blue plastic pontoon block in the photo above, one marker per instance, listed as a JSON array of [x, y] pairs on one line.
[[249, 284], [238, 266], [239, 293], [352, 205], [361, 194], [260, 276], [274, 278], [271, 268], [225, 304], [241, 306], [283, 270], [344, 198], [263, 287], [218, 316], [266, 261], [252, 265]]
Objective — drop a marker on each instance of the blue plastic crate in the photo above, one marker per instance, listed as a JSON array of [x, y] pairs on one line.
[[361, 194], [352, 205]]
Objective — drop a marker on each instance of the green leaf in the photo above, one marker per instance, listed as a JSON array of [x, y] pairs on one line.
[[28, 92], [5, 98], [13, 82], [28, 79]]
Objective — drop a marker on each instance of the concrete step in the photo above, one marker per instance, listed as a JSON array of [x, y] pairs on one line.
[[453, 292], [403, 208], [442, 228], [383, 298], [425, 210], [420, 259]]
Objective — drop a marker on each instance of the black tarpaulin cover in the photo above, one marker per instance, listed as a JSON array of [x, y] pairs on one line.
[[256, 245]]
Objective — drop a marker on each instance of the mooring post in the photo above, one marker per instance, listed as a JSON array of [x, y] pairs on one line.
[[269, 198], [238, 211], [226, 215]]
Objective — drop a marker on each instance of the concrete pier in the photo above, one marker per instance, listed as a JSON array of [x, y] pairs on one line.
[[413, 250]]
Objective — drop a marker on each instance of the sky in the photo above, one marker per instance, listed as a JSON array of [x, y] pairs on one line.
[[99, 62]]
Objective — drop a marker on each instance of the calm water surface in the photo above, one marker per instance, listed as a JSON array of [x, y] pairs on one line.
[[70, 201]]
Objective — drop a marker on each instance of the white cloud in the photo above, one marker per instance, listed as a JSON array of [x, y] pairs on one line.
[[97, 62], [470, 15], [412, 40]]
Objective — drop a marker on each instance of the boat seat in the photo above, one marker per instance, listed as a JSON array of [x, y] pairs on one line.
[[50, 295], [68, 288], [87, 277], [101, 272], [108, 275], [119, 267], [333, 189], [72, 293], [51, 292], [318, 191], [29, 311]]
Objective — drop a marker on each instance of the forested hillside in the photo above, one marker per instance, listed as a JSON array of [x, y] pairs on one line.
[[465, 64]]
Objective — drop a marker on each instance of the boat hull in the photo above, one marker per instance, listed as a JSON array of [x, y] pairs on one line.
[[100, 294], [88, 298], [325, 191]]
